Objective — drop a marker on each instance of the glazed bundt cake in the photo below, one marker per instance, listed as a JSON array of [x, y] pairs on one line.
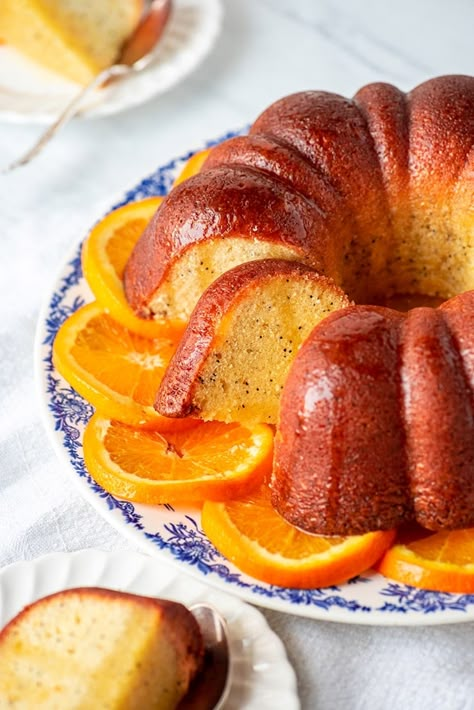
[[376, 193]]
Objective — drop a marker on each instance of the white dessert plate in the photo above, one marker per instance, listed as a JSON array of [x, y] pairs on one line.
[[174, 533], [262, 677], [31, 94]]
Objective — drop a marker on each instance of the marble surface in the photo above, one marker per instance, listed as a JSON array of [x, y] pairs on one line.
[[267, 48]]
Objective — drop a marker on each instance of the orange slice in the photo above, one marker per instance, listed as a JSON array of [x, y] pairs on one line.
[[211, 461], [117, 371], [192, 166], [442, 561], [104, 257], [256, 539]]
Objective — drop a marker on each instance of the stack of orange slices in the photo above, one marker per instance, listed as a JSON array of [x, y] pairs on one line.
[[116, 360]]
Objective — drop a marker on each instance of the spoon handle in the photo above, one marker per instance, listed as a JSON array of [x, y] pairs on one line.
[[69, 111], [210, 689]]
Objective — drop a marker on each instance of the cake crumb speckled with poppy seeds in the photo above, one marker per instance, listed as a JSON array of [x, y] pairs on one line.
[[91, 647]]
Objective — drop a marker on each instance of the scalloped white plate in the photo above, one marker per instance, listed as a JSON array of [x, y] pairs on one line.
[[262, 677], [30, 94], [175, 533]]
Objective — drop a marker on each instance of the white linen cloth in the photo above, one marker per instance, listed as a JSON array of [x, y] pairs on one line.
[[268, 48]]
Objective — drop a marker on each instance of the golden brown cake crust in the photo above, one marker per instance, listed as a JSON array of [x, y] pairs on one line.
[[360, 189], [385, 111], [441, 132], [339, 448], [287, 165], [236, 196], [437, 353]]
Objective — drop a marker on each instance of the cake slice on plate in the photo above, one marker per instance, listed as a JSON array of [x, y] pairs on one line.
[[75, 38], [243, 335], [90, 647]]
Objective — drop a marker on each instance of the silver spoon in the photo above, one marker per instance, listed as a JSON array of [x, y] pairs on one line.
[[137, 53], [210, 689]]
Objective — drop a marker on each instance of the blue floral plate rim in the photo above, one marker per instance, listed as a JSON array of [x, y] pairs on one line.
[[174, 534]]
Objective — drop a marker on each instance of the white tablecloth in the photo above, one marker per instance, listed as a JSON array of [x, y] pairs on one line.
[[268, 48]]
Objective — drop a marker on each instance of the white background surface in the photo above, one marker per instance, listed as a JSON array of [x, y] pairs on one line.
[[268, 48]]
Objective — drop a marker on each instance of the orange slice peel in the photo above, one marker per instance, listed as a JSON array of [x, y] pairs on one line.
[[104, 256], [442, 561], [192, 166], [117, 371]]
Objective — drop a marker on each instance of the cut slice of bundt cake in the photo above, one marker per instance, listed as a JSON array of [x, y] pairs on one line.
[[91, 648], [242, 337]]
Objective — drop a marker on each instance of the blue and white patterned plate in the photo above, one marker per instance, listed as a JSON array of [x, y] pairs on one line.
[[175, 533]]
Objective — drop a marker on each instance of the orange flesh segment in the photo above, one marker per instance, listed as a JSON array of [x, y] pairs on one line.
[[258, 541], [442, 561], [116, 370], [257, 518], [455, 547], [211, 460], [205, 450], [123, 361], [192, 166]]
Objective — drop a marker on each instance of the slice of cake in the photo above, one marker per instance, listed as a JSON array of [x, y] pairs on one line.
[[75, 38], [89, 648], [243, 335]]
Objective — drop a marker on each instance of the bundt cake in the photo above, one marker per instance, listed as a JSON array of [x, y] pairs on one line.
[[376, 193], [235, 354], [90, 648]]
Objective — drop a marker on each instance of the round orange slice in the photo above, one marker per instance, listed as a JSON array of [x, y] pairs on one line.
[[442, 561], [211, 461], [117, 371], [192, 166], [257, 540], [104, 256]]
